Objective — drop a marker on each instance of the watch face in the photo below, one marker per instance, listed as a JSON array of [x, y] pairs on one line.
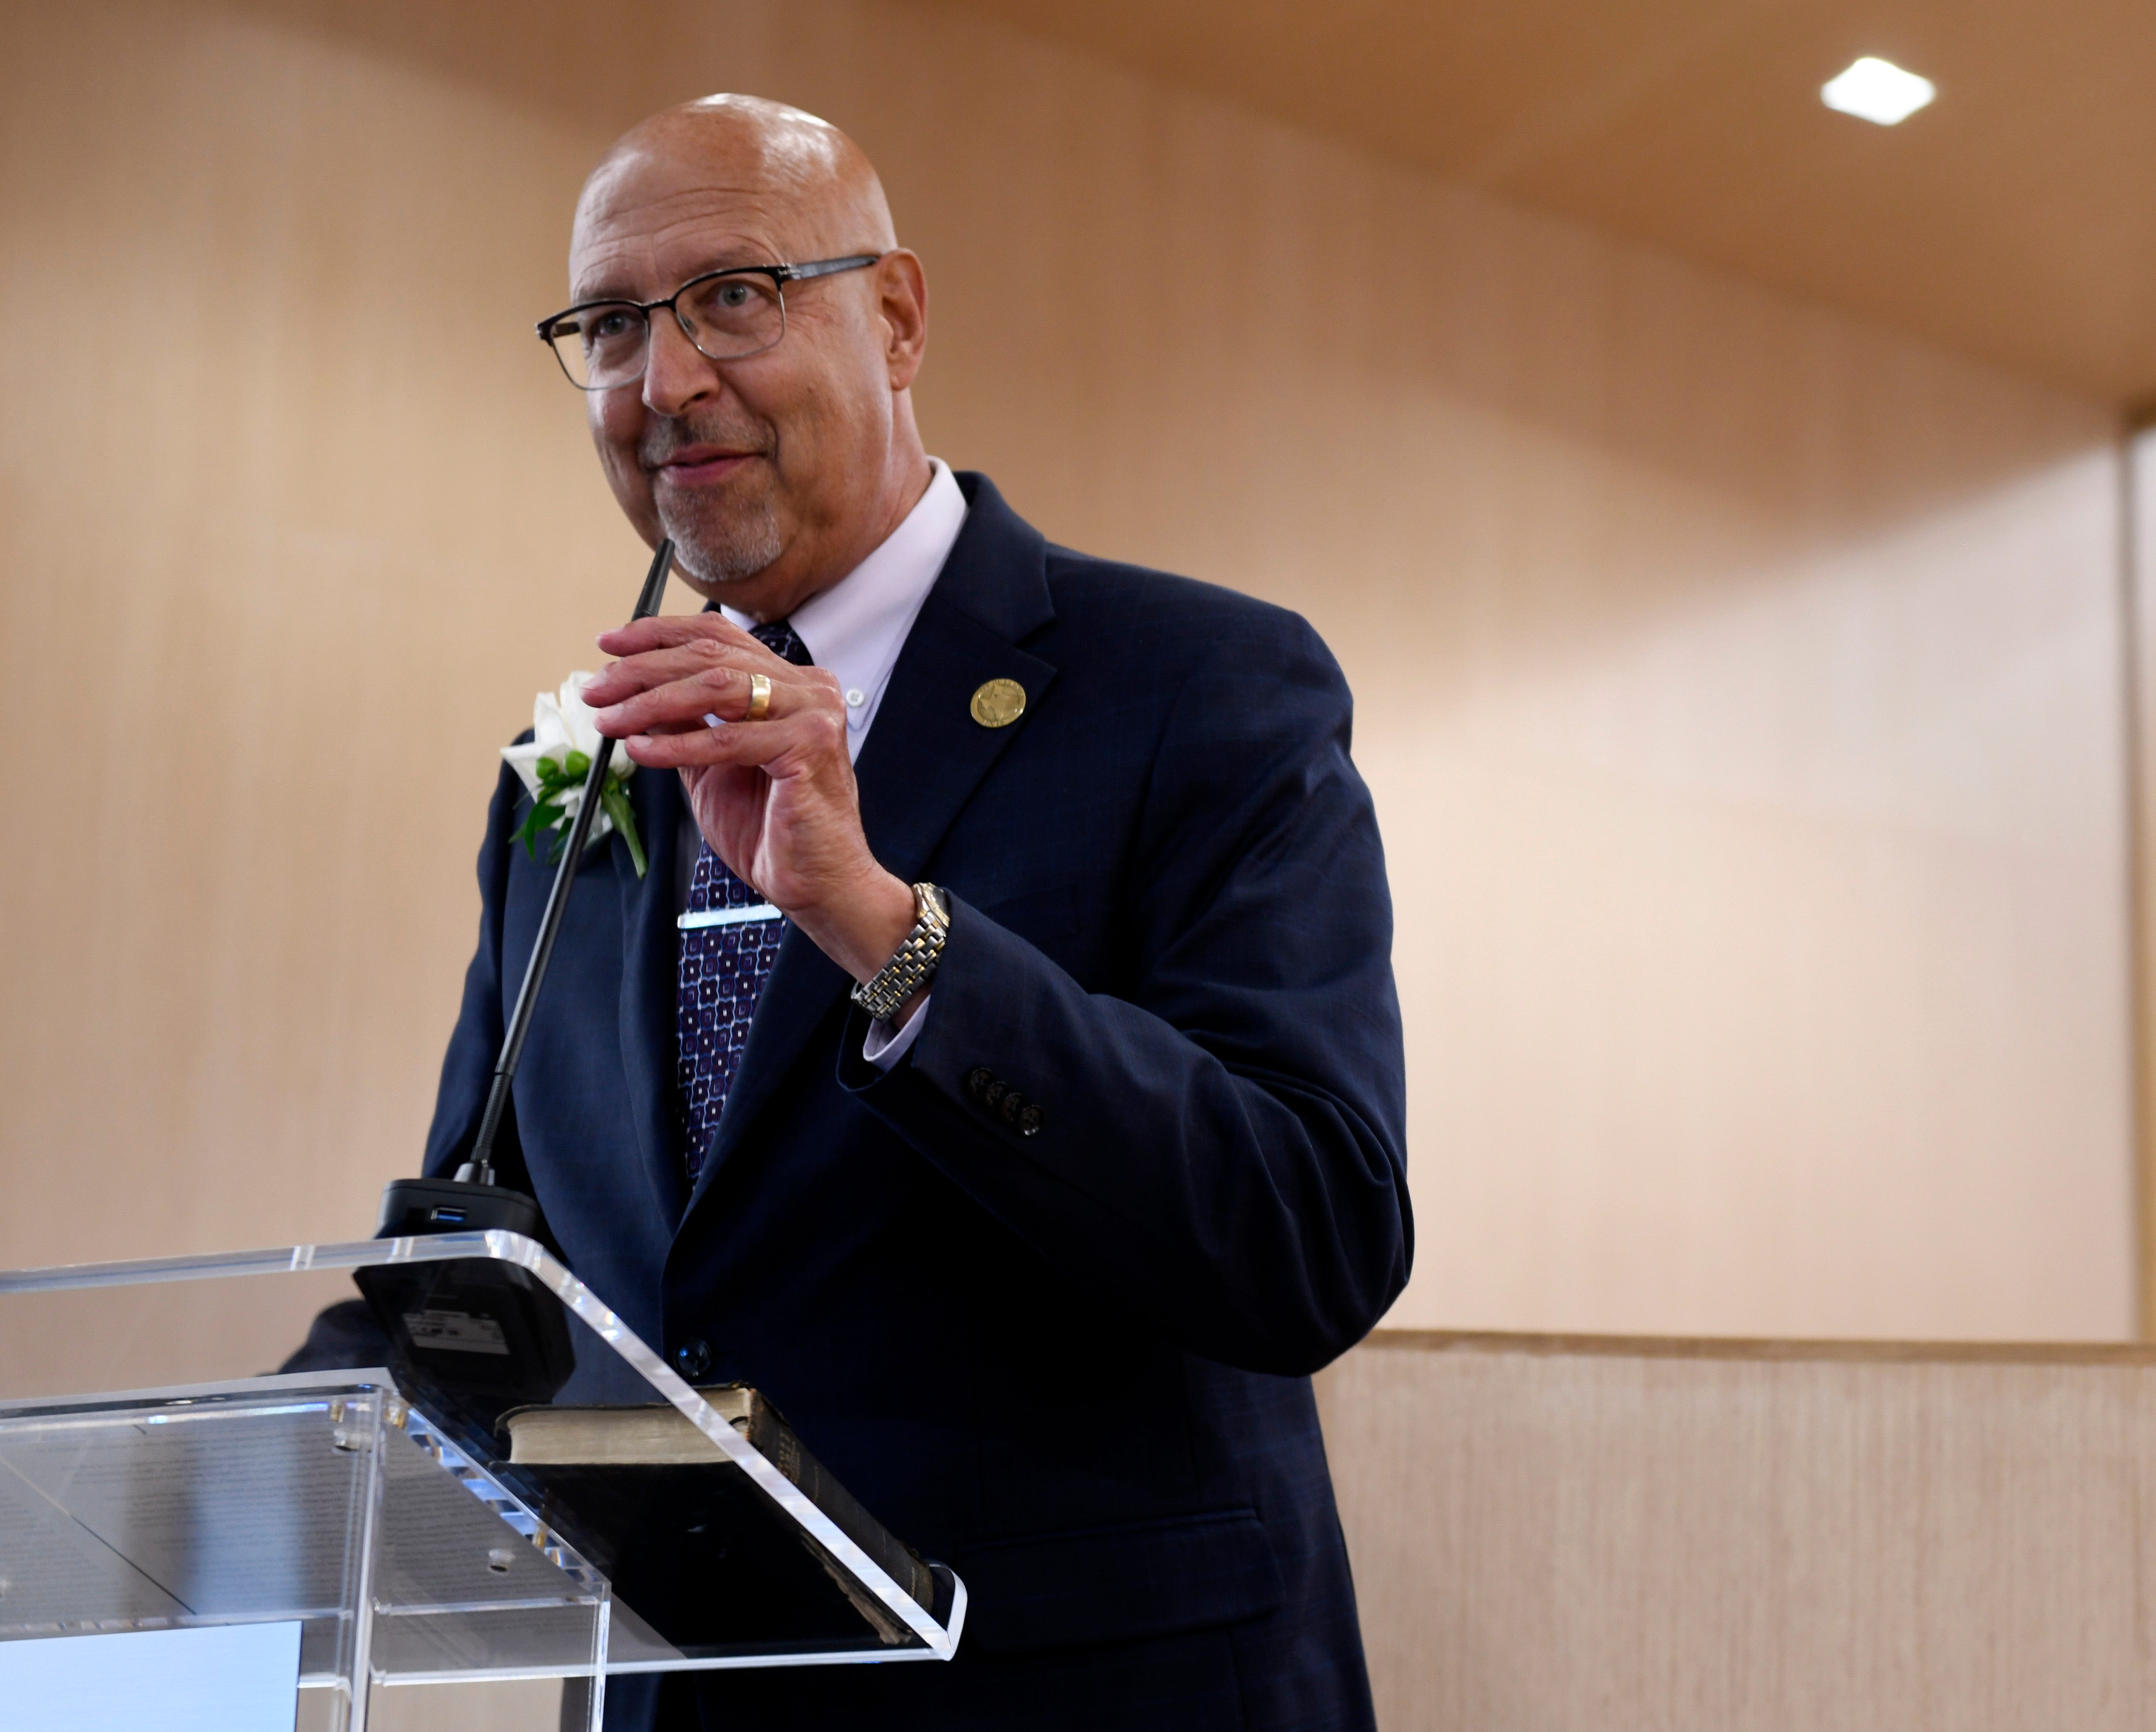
[[937, 900]]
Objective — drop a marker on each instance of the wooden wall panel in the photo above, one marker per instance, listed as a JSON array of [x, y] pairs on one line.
[[1738, 684], [1718, 1536], [2139, 592]]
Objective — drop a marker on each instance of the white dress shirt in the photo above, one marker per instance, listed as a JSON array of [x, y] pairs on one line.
[[855, 629]]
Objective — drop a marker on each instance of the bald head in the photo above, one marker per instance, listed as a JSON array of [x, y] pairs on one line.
[[802, 173], [775, 472]]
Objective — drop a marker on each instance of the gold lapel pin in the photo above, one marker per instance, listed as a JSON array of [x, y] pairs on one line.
[[998, 703]]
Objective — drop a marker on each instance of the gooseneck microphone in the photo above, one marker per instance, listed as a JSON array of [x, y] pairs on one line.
[[472, 1201]]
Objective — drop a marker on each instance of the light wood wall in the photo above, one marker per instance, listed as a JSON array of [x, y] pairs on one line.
[[2138, 593], [1717, 1536], [1738, 684]]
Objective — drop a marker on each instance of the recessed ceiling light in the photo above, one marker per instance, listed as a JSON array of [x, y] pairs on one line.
[[1877, 91]]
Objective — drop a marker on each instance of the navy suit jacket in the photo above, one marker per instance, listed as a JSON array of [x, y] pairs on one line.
[[1073, 1364]]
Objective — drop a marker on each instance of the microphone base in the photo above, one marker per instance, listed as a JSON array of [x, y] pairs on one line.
[[412, 1208]]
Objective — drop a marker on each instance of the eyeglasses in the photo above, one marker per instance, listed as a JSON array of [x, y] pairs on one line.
[[727, 314]]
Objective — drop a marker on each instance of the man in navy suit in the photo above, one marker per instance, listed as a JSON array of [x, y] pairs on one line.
[[1021, 1107]]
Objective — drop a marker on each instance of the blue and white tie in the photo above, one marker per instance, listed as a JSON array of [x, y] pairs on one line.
[[730, 937]]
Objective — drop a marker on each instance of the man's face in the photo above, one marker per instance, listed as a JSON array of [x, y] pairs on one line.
[[765, 471]]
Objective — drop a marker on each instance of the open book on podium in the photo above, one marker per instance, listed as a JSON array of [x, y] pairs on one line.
[[527, 1490]]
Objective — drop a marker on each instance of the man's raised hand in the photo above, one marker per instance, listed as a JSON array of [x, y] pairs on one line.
[[776, 796]]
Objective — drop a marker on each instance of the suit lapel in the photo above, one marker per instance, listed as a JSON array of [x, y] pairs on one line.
[[925, 756], [650, 966], [915, 778]]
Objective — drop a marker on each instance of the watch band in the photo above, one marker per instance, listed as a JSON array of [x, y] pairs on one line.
[[884, 995]]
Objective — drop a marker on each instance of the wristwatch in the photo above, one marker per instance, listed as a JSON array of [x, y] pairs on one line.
[[884, 995]]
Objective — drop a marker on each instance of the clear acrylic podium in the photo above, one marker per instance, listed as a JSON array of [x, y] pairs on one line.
[[154, 1475]]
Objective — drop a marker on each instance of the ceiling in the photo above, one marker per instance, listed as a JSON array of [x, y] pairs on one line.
[[2013, 219]]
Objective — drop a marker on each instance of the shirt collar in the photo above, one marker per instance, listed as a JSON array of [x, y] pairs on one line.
[[857, 627]]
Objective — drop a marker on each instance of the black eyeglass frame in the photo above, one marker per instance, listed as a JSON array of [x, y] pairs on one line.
[[780, 276]]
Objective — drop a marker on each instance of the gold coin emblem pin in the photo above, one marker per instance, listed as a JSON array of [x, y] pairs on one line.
[[998, 703]]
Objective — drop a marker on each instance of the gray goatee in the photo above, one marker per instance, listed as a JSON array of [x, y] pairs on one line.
[[715, 546], [727, 551]]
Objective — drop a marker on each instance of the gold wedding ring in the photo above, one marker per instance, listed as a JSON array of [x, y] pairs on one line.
[[759, 697]]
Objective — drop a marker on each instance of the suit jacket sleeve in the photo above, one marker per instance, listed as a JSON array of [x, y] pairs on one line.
[[1221, 1148]]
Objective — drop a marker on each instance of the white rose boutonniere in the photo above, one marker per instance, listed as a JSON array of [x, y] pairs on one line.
[[554, 764]]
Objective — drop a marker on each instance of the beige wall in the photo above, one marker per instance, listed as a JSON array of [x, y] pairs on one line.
[[1724, 1536], [1738, 684]]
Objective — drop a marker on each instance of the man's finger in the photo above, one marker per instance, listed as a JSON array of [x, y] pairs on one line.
[[655, 668], [664, 631], [724, 692], [703, 687], [742, 744], [713, 664]]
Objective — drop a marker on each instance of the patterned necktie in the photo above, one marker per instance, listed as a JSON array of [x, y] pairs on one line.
[[730, 937]]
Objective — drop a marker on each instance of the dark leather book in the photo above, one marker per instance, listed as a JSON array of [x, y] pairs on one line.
[[690, 1543]]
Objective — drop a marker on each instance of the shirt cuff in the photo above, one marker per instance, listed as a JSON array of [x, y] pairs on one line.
[[884, 1045]]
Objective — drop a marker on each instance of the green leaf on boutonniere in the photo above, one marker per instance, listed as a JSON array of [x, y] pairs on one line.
[[544, 815], [615, 800], [549, 809]]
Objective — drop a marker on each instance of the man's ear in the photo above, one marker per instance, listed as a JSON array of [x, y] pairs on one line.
[[902, 288]]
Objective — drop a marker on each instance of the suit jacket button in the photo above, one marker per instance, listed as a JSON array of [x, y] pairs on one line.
[[978, 1080], [994, 1094], [1028, 1121], [1013, 1103], [692, 1359]]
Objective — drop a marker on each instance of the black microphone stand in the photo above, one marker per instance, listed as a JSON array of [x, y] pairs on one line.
[[472, 1201]]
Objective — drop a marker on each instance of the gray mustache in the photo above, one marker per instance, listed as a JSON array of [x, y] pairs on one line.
[[662, 441]]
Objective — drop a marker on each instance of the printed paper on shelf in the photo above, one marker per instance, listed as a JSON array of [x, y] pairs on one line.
[[219, 1678]]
